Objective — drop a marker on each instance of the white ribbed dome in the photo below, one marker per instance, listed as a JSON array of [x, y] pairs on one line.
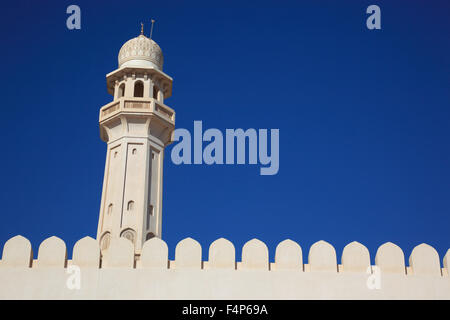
[[141, 52]]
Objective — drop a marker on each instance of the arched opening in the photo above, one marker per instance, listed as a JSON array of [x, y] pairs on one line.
[[121, 90], [129, 234], [155, 92], [110, 208], [138, 89], [150, 210], [130, 205], [149, 236], [105, 240]]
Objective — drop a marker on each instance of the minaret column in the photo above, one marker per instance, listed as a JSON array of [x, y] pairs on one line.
[[136, 134]]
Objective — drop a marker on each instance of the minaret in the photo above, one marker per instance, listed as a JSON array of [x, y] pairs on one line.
[[136, 126]]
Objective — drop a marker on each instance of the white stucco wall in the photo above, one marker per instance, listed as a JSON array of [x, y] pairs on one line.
[[119, 276]]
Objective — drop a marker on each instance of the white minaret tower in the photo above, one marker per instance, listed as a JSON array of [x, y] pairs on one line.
[[136, 126]]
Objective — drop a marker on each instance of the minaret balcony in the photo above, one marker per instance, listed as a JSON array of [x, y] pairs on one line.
[[141, 106]]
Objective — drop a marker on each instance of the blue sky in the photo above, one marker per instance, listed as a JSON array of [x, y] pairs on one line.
[[363, 118]]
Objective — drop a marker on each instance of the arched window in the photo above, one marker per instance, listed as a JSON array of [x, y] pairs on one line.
[[121, 90], [149, 236], [105, 240], [130, 205], [128, 234], [155, 92], [138, 89], [110, 208]]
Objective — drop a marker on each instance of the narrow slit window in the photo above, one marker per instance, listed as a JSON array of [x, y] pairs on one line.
[[130, 205], [149, 215]]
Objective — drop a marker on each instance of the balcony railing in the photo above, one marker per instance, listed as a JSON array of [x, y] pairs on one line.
[[147, 105]]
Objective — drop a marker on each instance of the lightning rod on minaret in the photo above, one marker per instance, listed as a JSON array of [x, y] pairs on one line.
[[151, 29]]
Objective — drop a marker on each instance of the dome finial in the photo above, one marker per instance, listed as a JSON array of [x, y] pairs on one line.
[[151, 29], [142, 28]]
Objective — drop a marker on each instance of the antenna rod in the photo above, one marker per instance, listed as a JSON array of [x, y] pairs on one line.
[[142, 28], [151, 29]]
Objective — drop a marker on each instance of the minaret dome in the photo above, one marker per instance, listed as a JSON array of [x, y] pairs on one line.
[[141, 52]]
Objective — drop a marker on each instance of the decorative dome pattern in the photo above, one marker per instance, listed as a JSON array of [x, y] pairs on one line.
[[141, 48]]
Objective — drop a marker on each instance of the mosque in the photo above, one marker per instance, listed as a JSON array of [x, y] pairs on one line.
[[129, 260]]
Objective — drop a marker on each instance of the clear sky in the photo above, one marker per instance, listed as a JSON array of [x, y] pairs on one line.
[[363, 118]]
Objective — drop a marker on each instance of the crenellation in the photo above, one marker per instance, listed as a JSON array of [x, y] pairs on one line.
[[255, 255], [52, 253], [222, 255], [120, 254], [424, 260], [188, 254], [446, 262], [155, 254], [17, 252], [424, 277], [288, 256], [86, 253], [322, 257], [390, 259], [355, 258]]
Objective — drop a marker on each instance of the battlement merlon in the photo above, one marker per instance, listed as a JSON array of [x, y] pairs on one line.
[[151, 275]]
